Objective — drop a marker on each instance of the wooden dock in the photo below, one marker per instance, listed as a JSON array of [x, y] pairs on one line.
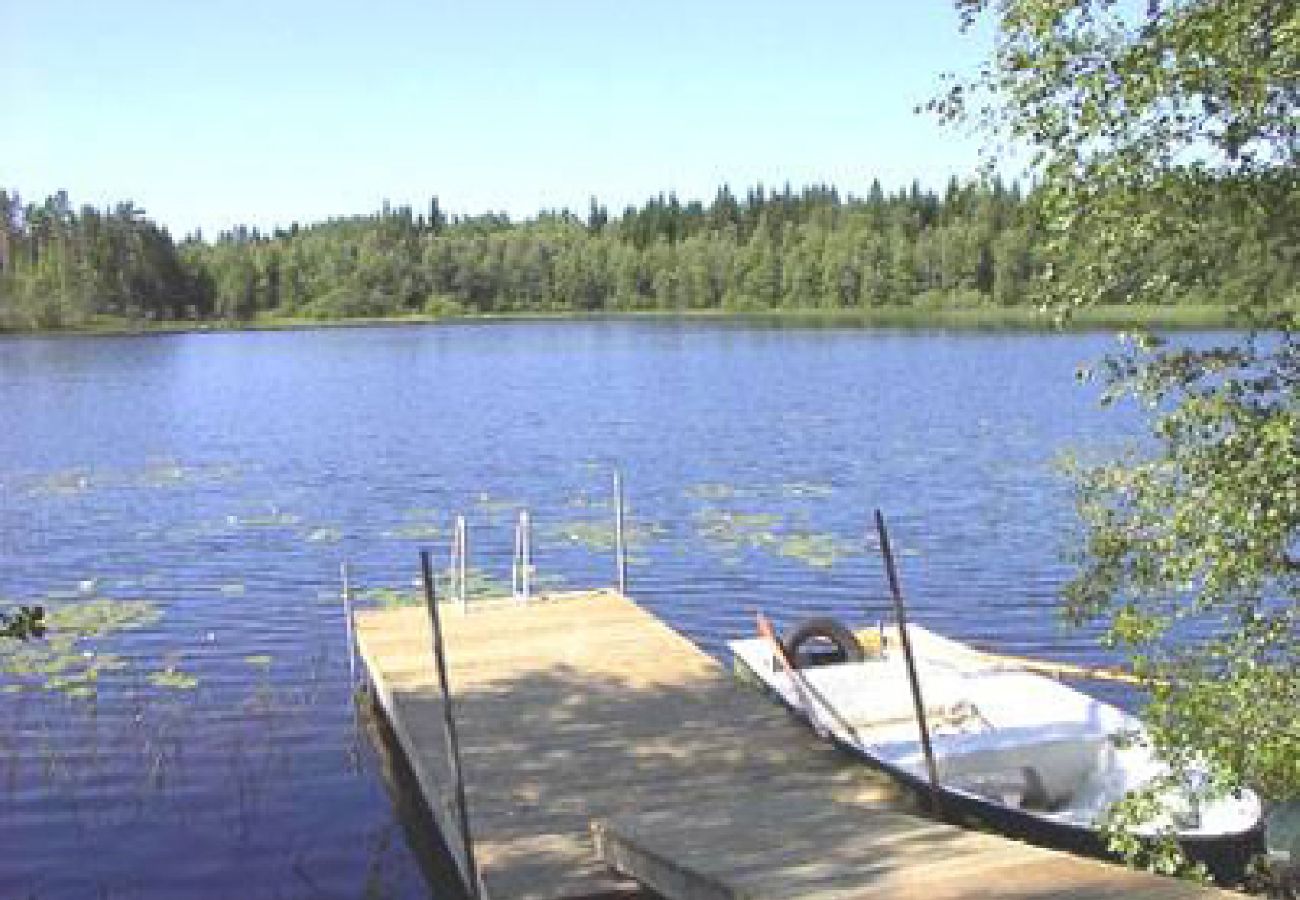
[[601, 749]]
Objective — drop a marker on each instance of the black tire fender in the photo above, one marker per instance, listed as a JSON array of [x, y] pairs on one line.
[[823, 630]]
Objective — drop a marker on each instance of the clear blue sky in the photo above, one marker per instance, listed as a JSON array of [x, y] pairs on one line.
[[213, 112]]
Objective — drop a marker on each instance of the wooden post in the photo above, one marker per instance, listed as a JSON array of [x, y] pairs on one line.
[[620, 542], [348, 626], [917, 702], [449, 720]]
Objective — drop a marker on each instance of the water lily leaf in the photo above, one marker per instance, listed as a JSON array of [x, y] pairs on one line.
[[709, 491], [173, 679], [273, 519], [601, 536], [100, 616], [806, 490], [415, 532], [818, 550]]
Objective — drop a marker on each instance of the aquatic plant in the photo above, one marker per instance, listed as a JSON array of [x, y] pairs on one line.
[[388, 597], [101, 616], [324, 535], [170, 473], [494, 507], [815, 549], [478, 585], [806, 490], [22, 624], [273, 519], [729, 531], [259, 660], [600, 535], [65, 483], [589, 501], [709, 490], [66, 661], [174, 679], [420, 531]]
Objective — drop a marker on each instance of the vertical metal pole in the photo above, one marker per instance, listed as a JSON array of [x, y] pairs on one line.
[[620, 543], [462, 548], [516, 564], [449, 720], [347, 620], [526, 533], [917, 702]]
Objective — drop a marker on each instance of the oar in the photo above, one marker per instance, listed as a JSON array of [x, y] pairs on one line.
[[917, 702], [801, 687], [1060, 669]]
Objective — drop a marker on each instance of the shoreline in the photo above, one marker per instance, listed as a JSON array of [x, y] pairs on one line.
[[1017, 318]]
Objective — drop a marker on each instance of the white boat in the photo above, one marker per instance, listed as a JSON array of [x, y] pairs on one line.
[[1024, 753]]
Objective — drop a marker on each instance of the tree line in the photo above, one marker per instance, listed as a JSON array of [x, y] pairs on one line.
[[973, 244]]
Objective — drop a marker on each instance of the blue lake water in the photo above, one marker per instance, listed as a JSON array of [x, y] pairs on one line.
[[208, 745]]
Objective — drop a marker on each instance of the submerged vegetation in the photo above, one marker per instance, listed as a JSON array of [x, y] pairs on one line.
[[971, 253]]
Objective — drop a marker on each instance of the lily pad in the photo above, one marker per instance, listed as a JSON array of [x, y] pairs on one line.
[[100, 616], [416, 531], [806, 490], [388, 597], [66, 483], [273, 519], [709, 491], [259, 660], [730, 531], [821, 551], [601, 536], [173, 679], [66, 660]]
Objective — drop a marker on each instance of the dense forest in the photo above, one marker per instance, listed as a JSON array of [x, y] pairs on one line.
[[976, 244]]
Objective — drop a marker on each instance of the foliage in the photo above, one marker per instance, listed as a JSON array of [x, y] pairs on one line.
[[972, 247], [1164, 141], [22, 624], [1190, 556], [62, 267]]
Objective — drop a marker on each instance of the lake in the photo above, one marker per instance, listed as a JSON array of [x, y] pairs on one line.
[[182, 503]]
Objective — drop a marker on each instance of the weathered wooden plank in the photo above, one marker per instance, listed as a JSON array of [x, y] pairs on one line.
[[766, 847]]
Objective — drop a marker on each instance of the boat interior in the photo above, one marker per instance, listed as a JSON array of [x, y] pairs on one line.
[[1016, 738]]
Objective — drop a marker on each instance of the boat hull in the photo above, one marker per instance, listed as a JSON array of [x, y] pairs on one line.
[[1226, 857]]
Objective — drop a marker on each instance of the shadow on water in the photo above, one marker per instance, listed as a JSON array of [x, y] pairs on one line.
[[412, 812]]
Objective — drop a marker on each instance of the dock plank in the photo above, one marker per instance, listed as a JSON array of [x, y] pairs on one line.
[[586, 709]]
